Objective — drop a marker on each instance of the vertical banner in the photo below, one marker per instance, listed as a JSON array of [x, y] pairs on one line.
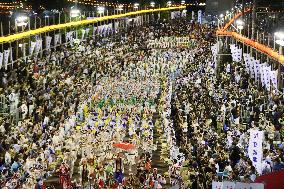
[[255, 149], [87, 32], [95, 31], [116, 26], [48, 42], [6, 58], [256, 69], [83, 33], [199, 17], [273, 78], [32, 47], [11, 56], [38, 46], [183, 14], [1, 59], [56, 39]]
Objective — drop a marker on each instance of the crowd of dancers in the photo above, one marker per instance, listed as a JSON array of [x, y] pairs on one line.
[[90, 114]]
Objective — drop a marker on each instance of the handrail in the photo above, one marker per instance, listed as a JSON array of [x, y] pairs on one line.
[[26, 34], [258, 46], [235, 18]]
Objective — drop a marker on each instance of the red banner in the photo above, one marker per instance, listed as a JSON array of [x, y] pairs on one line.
[[272, 180]]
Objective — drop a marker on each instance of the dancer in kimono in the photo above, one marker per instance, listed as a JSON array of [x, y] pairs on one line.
[[119, 169]]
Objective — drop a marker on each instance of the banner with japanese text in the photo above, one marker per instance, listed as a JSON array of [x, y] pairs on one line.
[[255, 150]]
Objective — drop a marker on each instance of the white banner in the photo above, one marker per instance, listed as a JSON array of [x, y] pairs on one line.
[[236, 185], [38, 46], [116, 26], [57, 39], [255, 149], [32, 47], [256, 69], [87, 32], [217, 185], [95, 31], [183, 14], [83, 33], [1, 59], [6, 58], [199, 18], [273, 78], [48, 42], [229, 185], [240, 185]]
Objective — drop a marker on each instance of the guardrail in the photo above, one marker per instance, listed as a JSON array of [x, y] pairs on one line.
[[245, 40]]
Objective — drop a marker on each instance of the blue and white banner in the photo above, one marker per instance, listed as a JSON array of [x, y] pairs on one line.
[[48, 42], [6, 58], [255, 150], [199, 16], [32, 47], [236, 53]]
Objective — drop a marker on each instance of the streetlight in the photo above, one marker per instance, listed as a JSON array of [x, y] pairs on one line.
[[169, 3], [136, 5], [74, 13], [120, 7], [240, 25], [21, 21], [101, 10], [152, 4], [182, 2], [221, 15], [279, 35], [279, 39]]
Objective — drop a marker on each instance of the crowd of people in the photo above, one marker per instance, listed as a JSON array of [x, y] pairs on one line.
[[213, 115], [75, 103], [97, 105]]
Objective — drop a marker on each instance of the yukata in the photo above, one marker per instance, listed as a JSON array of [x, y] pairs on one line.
[[118, 174]]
